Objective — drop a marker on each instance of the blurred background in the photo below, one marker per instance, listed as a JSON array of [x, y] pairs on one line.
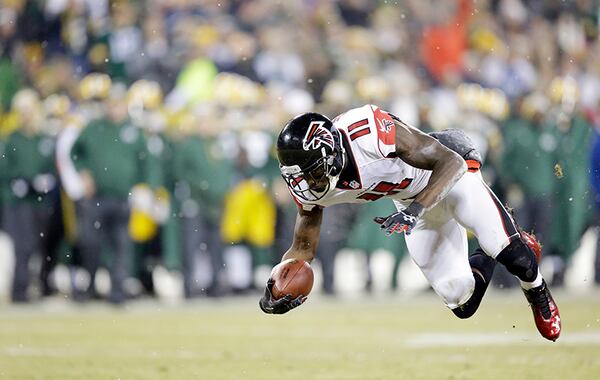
[[136, 137]]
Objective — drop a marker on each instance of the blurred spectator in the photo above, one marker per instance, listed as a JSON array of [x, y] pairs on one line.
[[525, 172], [68, 125], [444, 40], [10, 81], [277, 61], [573, 205], [249, 219], [151, 200], [56, 108], [202, 176], [526, 168], [30, 174], [125, 39], [110, 154], [366, 236], [11, 77], [337, 224]]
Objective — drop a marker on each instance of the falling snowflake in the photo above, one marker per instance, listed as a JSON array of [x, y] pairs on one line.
[[558, 172]]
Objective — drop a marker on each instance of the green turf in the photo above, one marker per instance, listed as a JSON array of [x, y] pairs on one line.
[[360, 339]]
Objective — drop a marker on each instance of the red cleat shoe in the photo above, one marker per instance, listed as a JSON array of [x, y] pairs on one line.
[[545, 311], [533, 243]]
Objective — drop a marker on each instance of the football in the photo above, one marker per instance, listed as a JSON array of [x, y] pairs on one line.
[[292, 276]]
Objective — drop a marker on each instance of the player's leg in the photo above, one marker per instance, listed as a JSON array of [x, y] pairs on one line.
[[476, 207], [438, 245], [482, 267], [440, 252], [91, 240]]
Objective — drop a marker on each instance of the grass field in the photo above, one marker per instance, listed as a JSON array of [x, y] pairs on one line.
[[380, 338]]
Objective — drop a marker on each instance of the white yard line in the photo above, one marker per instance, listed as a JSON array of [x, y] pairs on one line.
[[430, 340], [427, 340]]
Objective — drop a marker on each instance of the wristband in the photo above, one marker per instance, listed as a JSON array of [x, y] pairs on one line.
[[414, 209]]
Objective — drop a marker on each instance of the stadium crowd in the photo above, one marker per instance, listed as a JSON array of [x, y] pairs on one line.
[[139, 134]]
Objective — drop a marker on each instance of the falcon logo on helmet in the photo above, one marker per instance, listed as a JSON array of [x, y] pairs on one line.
[[317, 135], [311, 156]]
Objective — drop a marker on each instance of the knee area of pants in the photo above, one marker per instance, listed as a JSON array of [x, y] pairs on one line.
[[455, 291]]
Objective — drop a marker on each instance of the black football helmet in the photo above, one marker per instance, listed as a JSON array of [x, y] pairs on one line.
[[311, 155]]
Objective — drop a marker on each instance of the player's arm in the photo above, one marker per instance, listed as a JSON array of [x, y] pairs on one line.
[[306, 235], [304, 246], [423, 151]]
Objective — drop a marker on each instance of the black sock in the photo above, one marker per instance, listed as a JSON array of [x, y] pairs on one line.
[[484, 264], [483, 268]]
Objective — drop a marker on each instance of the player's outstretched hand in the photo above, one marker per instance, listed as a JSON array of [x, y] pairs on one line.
[[397, 222], [270, 305]]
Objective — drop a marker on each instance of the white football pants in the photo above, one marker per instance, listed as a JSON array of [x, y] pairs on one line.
[[438, 243]]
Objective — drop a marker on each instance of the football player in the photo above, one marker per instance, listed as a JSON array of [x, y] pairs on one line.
[[366, 154]]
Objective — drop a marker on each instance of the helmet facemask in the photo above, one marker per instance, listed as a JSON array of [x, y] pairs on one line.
[[315, 181]]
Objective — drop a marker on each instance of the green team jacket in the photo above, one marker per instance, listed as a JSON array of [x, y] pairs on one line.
[[10, 82], [207, 177], [24, 158], [115, 154], [573, 205], [528, 157], [159, 165]]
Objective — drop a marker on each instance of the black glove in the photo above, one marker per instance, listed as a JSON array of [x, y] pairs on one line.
[[401, 221], [270, 305]]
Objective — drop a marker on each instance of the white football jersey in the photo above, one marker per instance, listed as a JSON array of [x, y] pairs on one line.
[[372, 169]]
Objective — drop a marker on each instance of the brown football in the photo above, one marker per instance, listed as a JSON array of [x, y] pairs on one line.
[[292, 276]]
